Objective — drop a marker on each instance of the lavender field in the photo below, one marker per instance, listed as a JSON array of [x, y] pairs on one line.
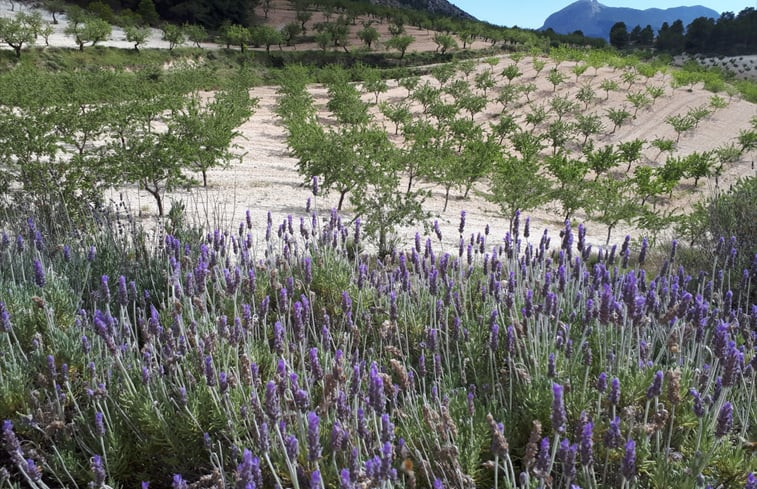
[[187, 359]]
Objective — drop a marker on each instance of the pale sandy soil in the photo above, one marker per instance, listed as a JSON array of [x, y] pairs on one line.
[[266, 178]]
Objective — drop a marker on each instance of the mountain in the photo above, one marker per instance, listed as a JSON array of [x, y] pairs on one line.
[[437, 7], [595, 20]]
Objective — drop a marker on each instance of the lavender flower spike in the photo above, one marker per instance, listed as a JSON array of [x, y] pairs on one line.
[[628, 464], [314, 441], [558, 409], [725, 420]]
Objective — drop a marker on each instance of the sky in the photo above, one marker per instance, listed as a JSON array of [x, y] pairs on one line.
[[532, 13]]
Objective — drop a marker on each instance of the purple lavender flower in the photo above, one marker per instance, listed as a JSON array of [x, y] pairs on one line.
[[248, 472], [98, 471], [376, 390], [551, 372], [698, 405], [614, 395], [39, 274], [751, 481], [314, 437], [558, 409], [541, 468], [123, 294], [315, 186], [179, 482], [99, 424], [315, 480], [494, 337], [12, 444], [291, 444], [613, 437], [345, 482], [628, 464], [387, 429], [587, 444], [655, 389], [5, 318], [271, 401], [210, 378], [34, 472], [462, 222], [567, 456], [725, 420]]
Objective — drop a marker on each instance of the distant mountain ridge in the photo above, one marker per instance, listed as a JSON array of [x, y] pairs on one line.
[[438, 7], [595, 20]]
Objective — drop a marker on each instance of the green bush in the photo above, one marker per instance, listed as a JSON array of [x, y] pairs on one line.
[[721, 224]]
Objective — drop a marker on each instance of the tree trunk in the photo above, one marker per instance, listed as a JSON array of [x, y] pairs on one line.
[[446, 199], [341, 199], [158, 200], [609, 231], [205, 178]]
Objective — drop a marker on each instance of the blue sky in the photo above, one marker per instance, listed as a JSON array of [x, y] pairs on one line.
[[532, 13]]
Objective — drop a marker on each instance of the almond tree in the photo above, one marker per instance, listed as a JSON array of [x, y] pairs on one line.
[[538, 65], [374, 83], [155, 159], [699, 165], [212, 127], [555, 77], [377, 198], [398, 114], [588, 125], [419, 150], [136, 35], [571, 184], [630, 152], [507, 95], [586, 95], [608, 86], [638, 100], [15, 33], [195, 33], [368, 35], [611, 203], [663, 145], [444, 42], [400, 43], [484, 81], [601, 160], [618, 117], [517, 185], [680, 123], [511, 72], [579, 69], [443, 73], [647, 185], [173, 35], [89, 29]]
